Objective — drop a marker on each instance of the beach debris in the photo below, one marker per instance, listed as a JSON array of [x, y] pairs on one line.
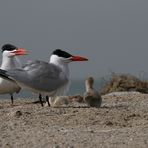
[[76, 98], [16, 113], [91, 97], [124, 82]]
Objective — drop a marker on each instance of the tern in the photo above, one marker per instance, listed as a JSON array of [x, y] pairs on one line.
[[10, 61], [48, 79], [92, 96]]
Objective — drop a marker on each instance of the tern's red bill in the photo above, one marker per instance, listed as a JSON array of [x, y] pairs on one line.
[[20, 51], [78, 58]]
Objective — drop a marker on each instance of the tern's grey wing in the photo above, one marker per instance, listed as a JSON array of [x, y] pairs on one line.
[[38, 75], [41, 68]]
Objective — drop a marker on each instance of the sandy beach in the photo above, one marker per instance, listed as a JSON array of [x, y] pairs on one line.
[[122, 121]]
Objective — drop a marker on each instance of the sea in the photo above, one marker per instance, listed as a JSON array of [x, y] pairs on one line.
[[76, 87]]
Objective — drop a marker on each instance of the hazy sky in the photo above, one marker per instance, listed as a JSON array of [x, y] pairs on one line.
[[113, 34]]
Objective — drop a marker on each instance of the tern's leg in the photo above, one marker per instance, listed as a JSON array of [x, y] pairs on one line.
[[47, 100], [40, 98], [11, 98]]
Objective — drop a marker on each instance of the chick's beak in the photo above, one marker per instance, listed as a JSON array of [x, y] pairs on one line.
[[19, 51], [78, 58]]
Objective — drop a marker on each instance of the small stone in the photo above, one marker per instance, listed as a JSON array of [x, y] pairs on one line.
[[109, 123], [18, 113]]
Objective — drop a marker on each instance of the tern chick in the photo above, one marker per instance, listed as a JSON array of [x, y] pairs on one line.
[[91, 97]]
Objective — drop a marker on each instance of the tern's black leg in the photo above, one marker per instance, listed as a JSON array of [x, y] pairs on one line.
[[40, 98], [47, 100], [12, 99]]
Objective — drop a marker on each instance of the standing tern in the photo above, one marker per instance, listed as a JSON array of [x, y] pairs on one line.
[[49, 79], [10, 61], [91, 96]]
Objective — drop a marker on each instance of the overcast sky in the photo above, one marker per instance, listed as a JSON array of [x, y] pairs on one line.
[[113, 34]]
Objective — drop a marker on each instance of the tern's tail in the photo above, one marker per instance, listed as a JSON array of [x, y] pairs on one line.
[[4, 75]]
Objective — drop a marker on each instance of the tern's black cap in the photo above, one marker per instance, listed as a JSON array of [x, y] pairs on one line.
[[8, 47], [61, 53]]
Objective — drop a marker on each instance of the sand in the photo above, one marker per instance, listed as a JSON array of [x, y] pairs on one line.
[[122, 121]]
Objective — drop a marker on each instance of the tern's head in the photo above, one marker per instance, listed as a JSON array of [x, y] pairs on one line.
[[61, 56], [10, 50], [89, 81]]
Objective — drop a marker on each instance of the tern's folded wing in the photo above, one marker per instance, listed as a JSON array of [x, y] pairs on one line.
[[38, 75]]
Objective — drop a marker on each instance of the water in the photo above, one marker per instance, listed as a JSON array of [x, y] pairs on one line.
[[76, 87]]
